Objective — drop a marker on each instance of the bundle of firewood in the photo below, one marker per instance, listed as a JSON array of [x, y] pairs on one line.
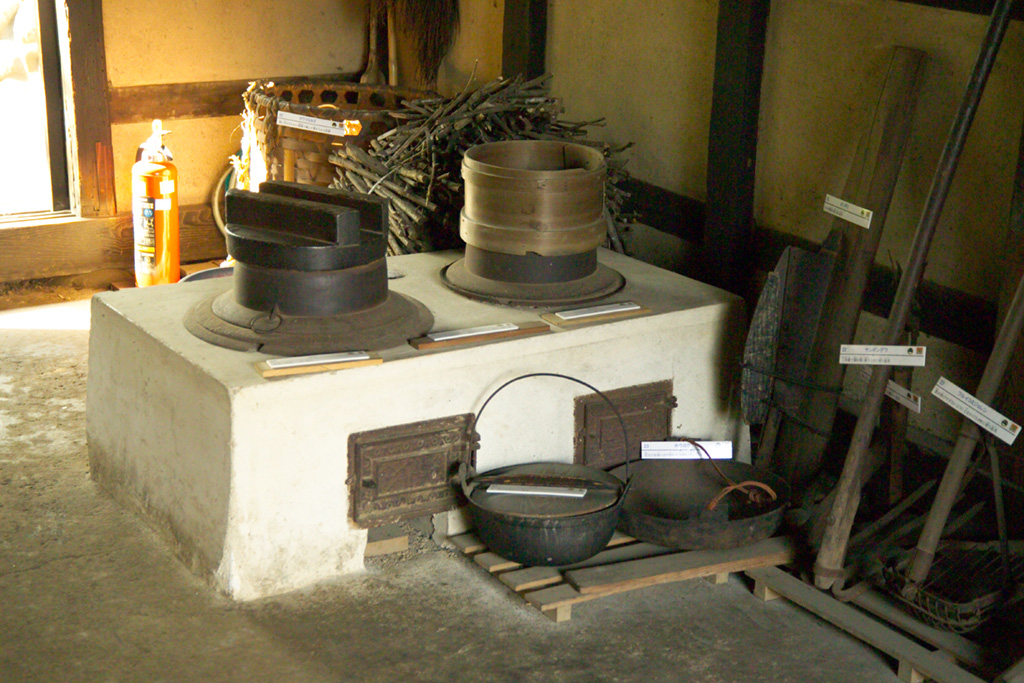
[[418, 164]]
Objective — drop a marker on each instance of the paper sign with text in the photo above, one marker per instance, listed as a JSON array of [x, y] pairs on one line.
[[869, 354], [993, 422]]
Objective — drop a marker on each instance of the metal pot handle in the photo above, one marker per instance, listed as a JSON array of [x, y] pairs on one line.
[[618, 415]]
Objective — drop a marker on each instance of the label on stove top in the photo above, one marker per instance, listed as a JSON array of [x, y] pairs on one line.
[[847, 211], [472, 332], [993, 422], [868, 354], [577, 313], [522, 490], [317, 359], [684, 450]]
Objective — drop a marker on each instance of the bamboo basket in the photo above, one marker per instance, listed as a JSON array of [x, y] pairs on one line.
[[356, 113]]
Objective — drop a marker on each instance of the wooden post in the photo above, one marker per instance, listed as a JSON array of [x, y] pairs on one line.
[[732, 143]]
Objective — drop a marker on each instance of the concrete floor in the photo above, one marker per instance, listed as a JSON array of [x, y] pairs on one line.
[[90, 593]]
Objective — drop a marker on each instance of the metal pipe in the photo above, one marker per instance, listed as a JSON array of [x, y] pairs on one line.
[[840, 521]]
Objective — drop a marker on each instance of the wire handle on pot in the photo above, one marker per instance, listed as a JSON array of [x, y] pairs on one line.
[[618, 415]]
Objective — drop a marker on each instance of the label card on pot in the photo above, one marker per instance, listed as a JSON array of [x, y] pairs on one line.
[[684, 450], [524, 490], [871, 354]]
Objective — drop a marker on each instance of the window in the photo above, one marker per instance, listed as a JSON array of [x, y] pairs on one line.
[[33, 173]]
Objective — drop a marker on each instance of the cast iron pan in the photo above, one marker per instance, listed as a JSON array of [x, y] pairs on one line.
[[667, 500]]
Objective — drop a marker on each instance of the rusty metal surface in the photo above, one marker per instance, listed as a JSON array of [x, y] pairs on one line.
[[647, 411], [403, 471]]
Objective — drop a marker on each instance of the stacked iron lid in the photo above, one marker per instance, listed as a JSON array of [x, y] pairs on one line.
[[532, 222], [310, 276]]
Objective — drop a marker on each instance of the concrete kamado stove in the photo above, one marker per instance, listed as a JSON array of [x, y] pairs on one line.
[[268, 485]]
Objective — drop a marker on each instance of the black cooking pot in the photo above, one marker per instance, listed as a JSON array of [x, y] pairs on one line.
[[535, 528], [541, 530], [667, 504]]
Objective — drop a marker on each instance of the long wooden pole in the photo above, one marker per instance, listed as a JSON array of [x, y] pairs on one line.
[[832, 553]]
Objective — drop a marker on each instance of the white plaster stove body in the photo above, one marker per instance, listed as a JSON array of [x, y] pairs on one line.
[[249, 474]]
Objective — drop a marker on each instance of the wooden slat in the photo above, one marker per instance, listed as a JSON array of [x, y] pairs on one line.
[[467, 543], [963, 649], [537, 577], [494, 562], [266, 372], [555, 320], [138, 103], [679, 567], [863, 627], [68, 246]]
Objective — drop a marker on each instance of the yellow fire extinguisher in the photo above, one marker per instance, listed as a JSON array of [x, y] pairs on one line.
[[155, 212]]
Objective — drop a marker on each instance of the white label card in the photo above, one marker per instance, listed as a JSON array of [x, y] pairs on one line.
[[993, 422], [577, 313], [847, 211], [472, 331], [904, 397], [684, 450], [318, 359], [867, 354], [556, 491], [315, 125]]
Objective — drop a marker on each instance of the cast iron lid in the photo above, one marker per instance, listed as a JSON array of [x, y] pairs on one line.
[[602, 490]]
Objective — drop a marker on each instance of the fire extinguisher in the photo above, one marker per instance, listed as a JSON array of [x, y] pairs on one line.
[[155, 212]]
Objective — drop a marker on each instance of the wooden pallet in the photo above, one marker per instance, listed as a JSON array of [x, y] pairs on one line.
[[625, 565]]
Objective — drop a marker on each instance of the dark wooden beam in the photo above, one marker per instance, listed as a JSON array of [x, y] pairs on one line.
[[947, 313], [49, 247], [86, 81], [971, 6], [664, 210], [137, 103], [524, 38], [959, 317], [732, 143]]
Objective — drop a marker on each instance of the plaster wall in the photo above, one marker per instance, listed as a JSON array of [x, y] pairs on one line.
[[149, 42], [648, 69]]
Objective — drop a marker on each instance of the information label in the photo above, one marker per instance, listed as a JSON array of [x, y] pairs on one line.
[[315, 125], [522, 490], [847, 211], [317, 359], [684, 450], [472, 332], [866, 354], [904, 397], [993, 422], [578, 313]]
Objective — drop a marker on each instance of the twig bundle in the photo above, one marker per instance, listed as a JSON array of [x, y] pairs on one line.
[[418, 164]]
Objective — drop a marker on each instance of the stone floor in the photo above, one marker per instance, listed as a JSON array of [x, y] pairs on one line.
[[90, 593]]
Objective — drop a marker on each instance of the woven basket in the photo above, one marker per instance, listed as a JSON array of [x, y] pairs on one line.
[[358, 113]]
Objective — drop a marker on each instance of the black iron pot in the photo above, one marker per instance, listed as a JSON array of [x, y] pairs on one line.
[[537, 530], [667, 504], [543, 531]]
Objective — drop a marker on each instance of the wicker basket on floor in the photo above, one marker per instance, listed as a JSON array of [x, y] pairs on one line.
[[356, 113]]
